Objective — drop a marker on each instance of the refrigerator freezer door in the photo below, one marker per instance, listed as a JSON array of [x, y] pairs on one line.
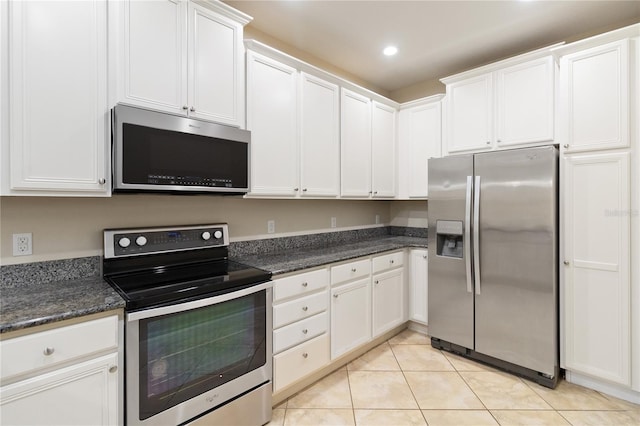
[[516, 309], [450, 300]]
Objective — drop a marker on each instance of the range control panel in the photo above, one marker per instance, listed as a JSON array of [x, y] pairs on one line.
[[136, 242]]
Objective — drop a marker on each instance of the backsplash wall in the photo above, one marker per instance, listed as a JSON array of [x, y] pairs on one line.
[[72, 227]]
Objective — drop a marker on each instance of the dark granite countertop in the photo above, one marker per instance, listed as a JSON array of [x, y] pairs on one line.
[[31, 303], [36, 304], [291, 261]]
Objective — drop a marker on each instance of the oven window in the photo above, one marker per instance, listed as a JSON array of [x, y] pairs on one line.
[[187, 353]]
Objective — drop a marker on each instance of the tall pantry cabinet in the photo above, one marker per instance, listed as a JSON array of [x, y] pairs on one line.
[[600, 157]]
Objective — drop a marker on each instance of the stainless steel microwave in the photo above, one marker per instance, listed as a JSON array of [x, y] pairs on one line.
[[156, 151]]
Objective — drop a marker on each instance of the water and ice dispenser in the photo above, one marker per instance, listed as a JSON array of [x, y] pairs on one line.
[[449, 238]]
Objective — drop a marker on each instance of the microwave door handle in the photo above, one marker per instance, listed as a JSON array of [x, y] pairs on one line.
[[467, 234], [476, 233]]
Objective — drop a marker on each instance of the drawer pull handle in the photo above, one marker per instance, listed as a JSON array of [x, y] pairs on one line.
[[113, 369], [424, 256], [566, 146], [304, 284], [566, 262], [335, 295], [391, 261], [353, 269], [305, 331], [305, 355], [48, 351], [305, 308], [376, 282]]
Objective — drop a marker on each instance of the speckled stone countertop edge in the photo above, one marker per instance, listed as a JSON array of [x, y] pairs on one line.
[[287, 262]]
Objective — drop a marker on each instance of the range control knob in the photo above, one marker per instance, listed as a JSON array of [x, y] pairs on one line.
[[141, 240], [124, 242], [206, 235], [217, 235]]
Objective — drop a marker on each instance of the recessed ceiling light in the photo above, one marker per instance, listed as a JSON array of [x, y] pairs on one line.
[[390, 50]]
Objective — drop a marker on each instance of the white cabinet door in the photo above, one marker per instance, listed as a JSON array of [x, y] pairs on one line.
[[525, 103], [383, 151], [388, 300], [271, 118], [418, 286], [155, 55], [594, 87], [596, 265], [319, 137], [59, 115], [216, 67], [350, 316], [355, 125], [83, 394], [470, 114], [419, 139]]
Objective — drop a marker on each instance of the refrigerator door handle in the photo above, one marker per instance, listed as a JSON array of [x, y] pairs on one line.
[[476, 233], [467, 234]]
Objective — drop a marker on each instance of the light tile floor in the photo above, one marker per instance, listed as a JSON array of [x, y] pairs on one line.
[[404, 381]]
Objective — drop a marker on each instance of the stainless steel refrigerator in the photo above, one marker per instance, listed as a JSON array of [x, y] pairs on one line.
[[493, 266]]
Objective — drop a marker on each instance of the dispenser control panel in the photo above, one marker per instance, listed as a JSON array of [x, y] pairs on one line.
[[449, 238]]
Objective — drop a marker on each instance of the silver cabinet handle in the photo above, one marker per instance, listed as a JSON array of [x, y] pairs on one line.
[[353, 269], [391, 261], [192, 109], [305, 331], [499, 141], [113, 369], [296, 189], [102, 181], [566, 146], [305, 308], [424, 256], [375, 192], [184, 107], [335, 296], [305, 355], [488, 142], [304, 284], [48, 351], [476, 232], [304, 189], [376, 282], [467, 234], [566, 262]]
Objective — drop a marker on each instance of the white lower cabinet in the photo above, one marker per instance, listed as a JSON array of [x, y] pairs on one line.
[[300, 326], [350, 316], [388, 300], [418, 285], [64, 376]]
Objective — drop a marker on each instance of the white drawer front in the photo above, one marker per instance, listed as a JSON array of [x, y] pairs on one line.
[[297, 309], [46, 348], [388, 261], [350, 271], [296, 285], [298, 332], [304, 359]]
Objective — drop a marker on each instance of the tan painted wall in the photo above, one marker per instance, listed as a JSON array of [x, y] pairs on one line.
[[409, 213], [72, 227]]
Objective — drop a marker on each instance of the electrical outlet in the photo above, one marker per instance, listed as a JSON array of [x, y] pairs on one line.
[[333, 222], [271, 226], [377, 218], [22, 244]]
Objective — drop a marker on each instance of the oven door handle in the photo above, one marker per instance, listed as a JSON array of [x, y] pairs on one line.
[[180, 307]]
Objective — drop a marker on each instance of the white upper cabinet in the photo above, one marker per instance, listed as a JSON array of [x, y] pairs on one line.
[[184, 58], [368, 147], [419, 138], [355, 125], [58, 115], [594, 101], [383, 150], [319, 118], [502, 105], [271, 118]]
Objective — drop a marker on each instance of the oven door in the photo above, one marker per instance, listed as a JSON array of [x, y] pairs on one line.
[[186, 359]]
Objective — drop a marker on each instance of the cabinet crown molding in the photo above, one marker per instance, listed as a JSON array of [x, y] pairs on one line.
[[422, 101], [495, 66], [226, 10], [597, 40]]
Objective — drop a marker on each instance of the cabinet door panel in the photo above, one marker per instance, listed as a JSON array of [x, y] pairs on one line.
[[271, 117], [355, 127], [418, 286], [595, 86], [319, 137], [525, 98], [469, 114], [83, 394], [597, 245], [350, 316], [388, 301], [215, 64], [383, 150], [155, 54], [58, 95]]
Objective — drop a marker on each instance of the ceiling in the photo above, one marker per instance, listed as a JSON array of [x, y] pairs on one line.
[[435, 38]]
